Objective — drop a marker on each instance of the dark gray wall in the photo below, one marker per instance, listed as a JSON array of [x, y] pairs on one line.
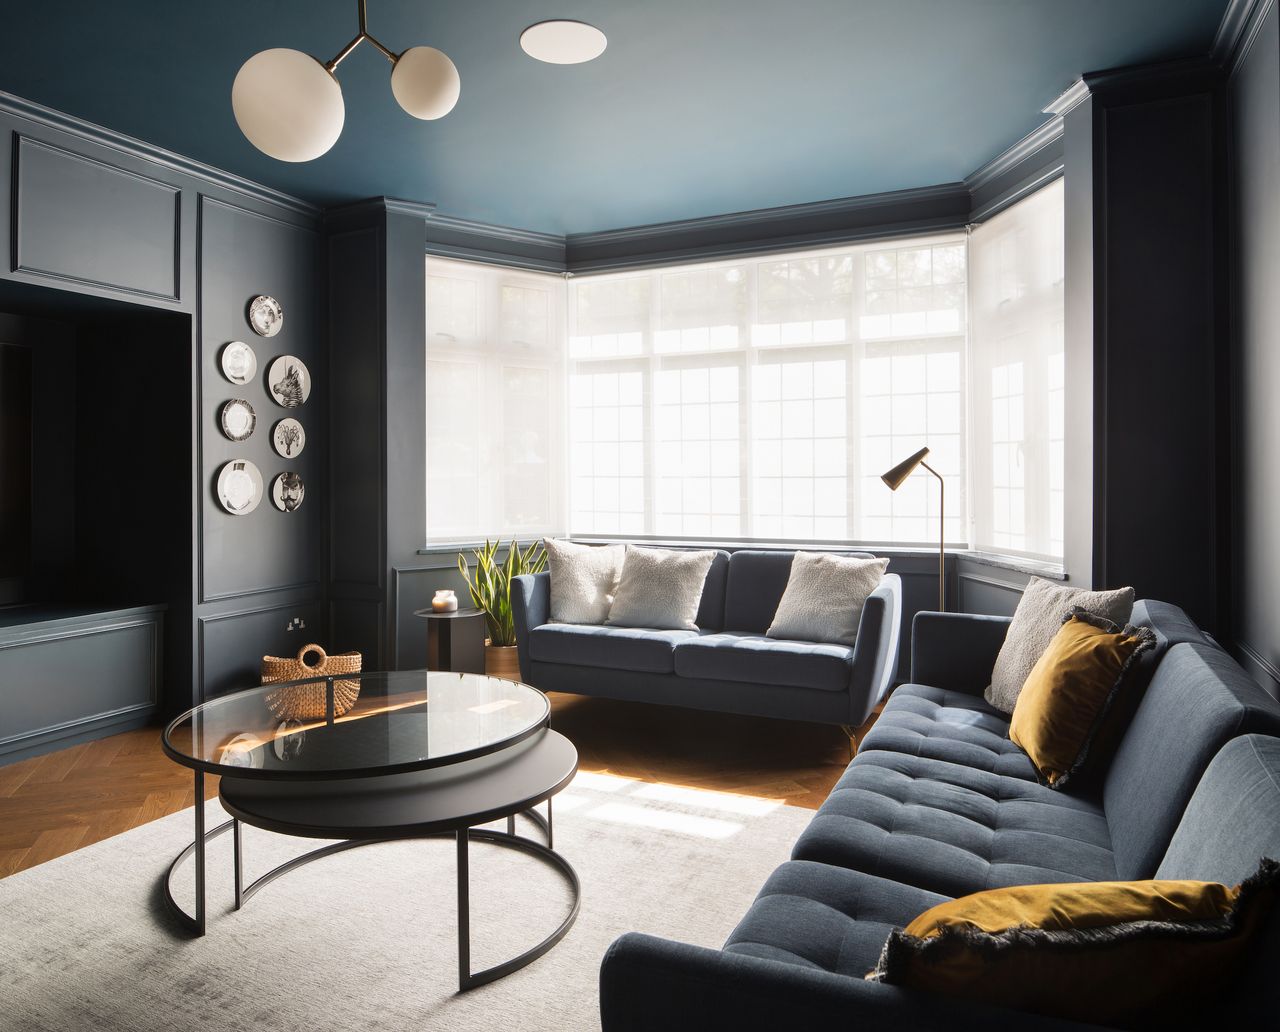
[[377, 329], [103, 230], [1146, 326], [1255, 223], [259, 572]]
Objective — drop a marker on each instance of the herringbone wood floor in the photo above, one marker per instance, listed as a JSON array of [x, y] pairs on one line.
[[59, 802]]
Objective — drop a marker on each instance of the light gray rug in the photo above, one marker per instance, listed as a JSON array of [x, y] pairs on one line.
[[366, 939]]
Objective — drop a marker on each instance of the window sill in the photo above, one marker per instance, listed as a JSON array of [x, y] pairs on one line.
[[1014, 563], [1017, 563]]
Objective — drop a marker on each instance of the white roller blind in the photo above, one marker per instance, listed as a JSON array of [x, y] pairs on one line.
[[495, 402], [1016, 380], [761, 398]]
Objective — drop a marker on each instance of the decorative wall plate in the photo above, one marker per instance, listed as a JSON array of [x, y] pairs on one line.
[[287, 491], [288, 438], [265, 315], [239, 487], [238, 419], [239, 363], [288, 381]]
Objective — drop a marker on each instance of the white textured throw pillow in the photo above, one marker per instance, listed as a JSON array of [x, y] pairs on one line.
[[660, 588], [583, 580], [1037, 619], [824, 597]]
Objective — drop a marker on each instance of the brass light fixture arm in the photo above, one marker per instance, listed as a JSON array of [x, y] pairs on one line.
[[360, 37], [942, 537]]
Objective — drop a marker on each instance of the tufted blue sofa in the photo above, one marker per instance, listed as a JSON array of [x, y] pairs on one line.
[[728, 664], [939, 803]]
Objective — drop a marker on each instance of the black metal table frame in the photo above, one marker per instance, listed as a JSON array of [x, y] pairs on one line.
[[463, 834]]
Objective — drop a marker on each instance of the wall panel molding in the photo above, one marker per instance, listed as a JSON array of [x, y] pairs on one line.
[[37, 198], [119, 142]]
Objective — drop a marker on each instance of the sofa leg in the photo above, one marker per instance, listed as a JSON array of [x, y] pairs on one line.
[[852, 734]]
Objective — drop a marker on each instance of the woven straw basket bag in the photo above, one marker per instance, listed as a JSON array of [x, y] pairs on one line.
[[307, 701]]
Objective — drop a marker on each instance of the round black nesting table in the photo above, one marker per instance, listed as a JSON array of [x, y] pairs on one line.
[[417, 755]]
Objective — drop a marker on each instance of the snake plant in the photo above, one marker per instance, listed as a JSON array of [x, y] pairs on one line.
[[490, 584]]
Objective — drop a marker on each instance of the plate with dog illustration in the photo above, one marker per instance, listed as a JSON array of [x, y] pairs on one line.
[[288, 381]]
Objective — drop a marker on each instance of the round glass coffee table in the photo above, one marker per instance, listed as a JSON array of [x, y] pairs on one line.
[[377, 757]]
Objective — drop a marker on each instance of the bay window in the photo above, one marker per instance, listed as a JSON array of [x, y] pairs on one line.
[[758, 398]]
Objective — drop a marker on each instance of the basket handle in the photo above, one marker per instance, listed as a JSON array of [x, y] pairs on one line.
[[313, 647]]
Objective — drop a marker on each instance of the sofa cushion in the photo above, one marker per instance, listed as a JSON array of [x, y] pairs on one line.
[[755, 585], [619, 648], [1072, 693], [815, 915], [824, 597], [711, 608], [660, 587], [947, 725], [755, 659], [1233, 819], [952, 829], [1198, 700], [1036, 621], [1142, 953]]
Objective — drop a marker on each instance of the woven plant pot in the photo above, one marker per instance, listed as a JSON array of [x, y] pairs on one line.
[[308, 701]]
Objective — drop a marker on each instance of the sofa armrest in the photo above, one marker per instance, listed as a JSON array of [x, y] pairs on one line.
[[956, 651], [530, 608], [875, 650], [649, 984]]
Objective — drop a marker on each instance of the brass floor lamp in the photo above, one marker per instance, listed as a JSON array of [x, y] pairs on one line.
[[894, 479]]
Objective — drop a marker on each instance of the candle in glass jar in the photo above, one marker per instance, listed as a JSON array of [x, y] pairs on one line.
[[445, 601]]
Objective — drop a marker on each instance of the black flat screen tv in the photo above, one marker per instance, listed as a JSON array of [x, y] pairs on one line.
[[15, 472]]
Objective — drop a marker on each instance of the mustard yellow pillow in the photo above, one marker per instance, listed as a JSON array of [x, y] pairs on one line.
[[1101, 952], [1071, 691]]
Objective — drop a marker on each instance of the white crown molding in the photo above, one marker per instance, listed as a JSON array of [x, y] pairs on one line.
[[1071, 97], [1036, 140]]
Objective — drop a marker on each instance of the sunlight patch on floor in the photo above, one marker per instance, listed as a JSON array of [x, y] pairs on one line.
[[665, 820], [726, 802], [601, 782]]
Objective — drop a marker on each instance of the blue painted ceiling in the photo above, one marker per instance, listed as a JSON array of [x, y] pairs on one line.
[[697, 107]]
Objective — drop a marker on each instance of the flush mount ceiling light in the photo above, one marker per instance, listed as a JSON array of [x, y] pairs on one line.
[[289, 104], [563, 42]]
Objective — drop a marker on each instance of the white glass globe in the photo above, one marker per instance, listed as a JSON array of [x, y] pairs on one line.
[[288, 104], [425, 82]]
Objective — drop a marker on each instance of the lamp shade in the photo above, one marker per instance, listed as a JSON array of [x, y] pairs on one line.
[[425, 82], [903, 469], [288, 105]]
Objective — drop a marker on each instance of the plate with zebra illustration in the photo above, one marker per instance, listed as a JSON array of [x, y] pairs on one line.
[[288, 381]]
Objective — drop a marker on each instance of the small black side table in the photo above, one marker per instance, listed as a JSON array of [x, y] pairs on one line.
[[455, 641]]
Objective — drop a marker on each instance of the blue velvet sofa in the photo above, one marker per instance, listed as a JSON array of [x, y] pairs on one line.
[[728, 664], [939, 803]]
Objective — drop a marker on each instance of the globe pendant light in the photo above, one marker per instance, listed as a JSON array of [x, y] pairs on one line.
[[289, 105], [425, 82]]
